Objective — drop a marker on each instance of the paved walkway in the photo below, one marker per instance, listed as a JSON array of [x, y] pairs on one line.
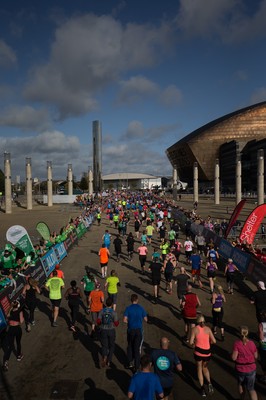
[[61, 365]]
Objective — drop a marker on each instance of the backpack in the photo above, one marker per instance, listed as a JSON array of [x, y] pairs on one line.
[[107, 316]]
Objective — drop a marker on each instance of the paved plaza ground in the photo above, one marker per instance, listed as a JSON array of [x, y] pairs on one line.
[[59, 364]]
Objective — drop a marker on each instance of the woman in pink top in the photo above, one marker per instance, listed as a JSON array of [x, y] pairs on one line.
[[201, 339], [245, 354], [143, 251]]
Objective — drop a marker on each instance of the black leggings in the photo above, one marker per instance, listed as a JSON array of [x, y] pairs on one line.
[[13, 333]]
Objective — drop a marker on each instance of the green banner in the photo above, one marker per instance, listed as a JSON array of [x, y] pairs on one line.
[[81, 230]]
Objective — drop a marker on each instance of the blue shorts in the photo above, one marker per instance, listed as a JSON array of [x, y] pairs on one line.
[[247, 379]]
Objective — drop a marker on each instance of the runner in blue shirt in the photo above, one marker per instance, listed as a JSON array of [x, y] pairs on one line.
[[145, 385], [134, 316]]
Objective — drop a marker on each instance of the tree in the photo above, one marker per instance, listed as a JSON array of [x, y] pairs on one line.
[[83, 184]]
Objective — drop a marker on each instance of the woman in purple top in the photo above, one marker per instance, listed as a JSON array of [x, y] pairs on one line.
[[229, 272], [211, 268], [218, 298], [245, 355]]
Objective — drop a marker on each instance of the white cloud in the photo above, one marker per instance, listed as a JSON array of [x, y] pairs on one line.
[[171, 96], [7, 55], [89, 53], [52, 146], [25, 118], [136, 88], [229, 20]]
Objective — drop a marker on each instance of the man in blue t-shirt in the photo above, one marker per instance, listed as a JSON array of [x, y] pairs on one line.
[[145, 385], [196, 261], [165, 362], [133, 317]]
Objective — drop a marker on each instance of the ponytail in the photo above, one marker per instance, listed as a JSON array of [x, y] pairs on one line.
[[244, 334]]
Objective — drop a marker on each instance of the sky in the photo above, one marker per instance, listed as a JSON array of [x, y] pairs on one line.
[[150, 71]]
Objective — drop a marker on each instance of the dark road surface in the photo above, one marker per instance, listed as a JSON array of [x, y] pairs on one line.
[[60, 364]]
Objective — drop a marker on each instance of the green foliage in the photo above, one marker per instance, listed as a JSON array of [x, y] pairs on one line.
[[83, 184]]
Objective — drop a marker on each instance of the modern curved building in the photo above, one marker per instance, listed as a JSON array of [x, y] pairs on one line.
[[203, 144]]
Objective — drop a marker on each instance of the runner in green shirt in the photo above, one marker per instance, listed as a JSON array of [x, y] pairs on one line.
[[54, 285]]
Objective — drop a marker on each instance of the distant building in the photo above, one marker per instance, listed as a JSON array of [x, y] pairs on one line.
[[97, 155], [223, 138], [132, 181]]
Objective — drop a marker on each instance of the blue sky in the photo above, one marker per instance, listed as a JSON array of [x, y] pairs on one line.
[[151, 72]]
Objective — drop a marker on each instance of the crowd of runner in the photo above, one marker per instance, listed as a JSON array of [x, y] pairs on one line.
[[145, 228]]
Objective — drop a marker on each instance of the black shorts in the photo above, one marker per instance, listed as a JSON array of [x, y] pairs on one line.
[[201, 358], [56, 303], [156, 281], [168, 276], [190, 321], [211, 274]]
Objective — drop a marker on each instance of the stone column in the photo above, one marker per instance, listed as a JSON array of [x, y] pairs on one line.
[[217, 182], [174, 184], [260, 182], [195, 182], [238, 179], [49, 184], [28, 183], [70, 179], [8, 186], [90, 176]]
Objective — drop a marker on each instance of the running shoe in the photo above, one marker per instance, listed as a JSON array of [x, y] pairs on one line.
[[20, 357], [72, 328], [210, 388], [203, 393], [54, 324], [32, 323]]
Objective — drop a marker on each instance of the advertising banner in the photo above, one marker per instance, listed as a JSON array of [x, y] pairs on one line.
[[43, 230], [37, 272], [3, 323], [49, 261], [18, 236], [81, 230], [234, 216], [252, 224], [60, 251]]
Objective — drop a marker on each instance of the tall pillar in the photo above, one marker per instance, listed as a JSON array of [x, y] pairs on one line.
[[49, 184], [174, 183], [28, 183], [195, 182], [260, 182], [217, 182], [8, 186], [90, 182], [70, 179], [238, 179]]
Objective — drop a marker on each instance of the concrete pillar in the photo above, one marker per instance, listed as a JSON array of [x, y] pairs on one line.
[[8, 186], [174, 184], [28, 183], [195, 182], [49, 184], [70, 179], [260, 183], [90, 182], [238, 179], [217, 182]]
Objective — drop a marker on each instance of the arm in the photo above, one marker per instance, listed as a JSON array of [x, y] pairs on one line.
[[234, 355], [199, 303], [21, 317], [212, 338], [192, 337]]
